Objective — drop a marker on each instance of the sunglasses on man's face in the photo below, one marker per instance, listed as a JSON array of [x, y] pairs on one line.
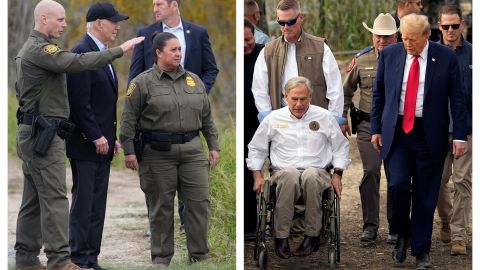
[[287, 22], [447, 26]]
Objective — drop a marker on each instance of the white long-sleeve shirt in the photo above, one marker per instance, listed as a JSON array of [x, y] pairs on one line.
[[331, 73], [315, 140]]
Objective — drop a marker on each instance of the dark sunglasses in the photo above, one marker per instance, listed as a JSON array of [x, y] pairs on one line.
[[288, 22], [447, 26]]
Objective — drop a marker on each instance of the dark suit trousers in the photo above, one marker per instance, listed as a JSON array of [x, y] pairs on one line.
[[414, 182], [87, 212]]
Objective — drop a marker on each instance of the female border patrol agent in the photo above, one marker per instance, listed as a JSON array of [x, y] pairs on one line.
[[165, 108]]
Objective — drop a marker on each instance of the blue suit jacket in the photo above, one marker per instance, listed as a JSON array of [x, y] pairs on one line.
[[92, 95], [199, 57], [442, 83]]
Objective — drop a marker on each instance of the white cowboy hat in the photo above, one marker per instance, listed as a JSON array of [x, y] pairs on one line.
[[384, 25]]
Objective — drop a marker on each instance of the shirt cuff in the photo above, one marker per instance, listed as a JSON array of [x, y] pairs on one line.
[[340, 120], [262, 115]]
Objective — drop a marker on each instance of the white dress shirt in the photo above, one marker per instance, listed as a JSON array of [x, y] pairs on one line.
[[178, 32], [102, 47], [422, 61], [315, 140], [331, 73]]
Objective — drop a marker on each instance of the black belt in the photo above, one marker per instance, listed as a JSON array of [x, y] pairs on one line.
[[363, 115], [175, 137], [27, 119]]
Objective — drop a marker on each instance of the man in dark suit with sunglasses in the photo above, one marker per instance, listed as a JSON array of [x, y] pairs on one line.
[[296, 53], [455, 217]]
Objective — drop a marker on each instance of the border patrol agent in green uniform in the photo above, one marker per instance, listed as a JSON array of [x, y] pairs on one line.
[[42, 116], [167, 106], [361, 73]]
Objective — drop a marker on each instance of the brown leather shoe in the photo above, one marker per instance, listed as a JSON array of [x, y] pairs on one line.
[[70, 266], [32, 267], [309, 244], [160, 263], [282, 248]]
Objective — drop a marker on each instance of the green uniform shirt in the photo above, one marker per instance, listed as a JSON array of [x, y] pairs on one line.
[[41, 67], [361, 74], [167, 101]]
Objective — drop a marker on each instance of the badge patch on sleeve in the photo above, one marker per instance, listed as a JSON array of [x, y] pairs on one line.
[[314, 125], [351, 65], [130, 89], [51, 49], [190, 81]]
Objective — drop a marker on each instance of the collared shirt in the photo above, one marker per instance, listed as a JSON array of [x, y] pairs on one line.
[[102, 47], [422, 60], [178, 32], [331, 73], [315, 140], [260, 36]]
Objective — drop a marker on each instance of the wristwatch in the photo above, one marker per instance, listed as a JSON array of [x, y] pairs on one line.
[[338, 171]]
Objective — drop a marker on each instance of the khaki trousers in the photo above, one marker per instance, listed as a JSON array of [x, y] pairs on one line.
[[291, 184], [184, 168], [458, 213], [43, 215]]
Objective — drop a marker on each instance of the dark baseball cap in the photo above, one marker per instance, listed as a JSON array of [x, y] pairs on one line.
[[104, 11]]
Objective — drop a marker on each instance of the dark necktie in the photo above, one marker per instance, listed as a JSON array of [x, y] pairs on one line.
[[411, 96]]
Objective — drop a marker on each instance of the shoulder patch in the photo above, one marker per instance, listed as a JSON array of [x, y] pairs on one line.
[[190, 81], [351, 65], [130, 89], [51, 49]]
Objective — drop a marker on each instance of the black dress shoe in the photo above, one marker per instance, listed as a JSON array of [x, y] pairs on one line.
[[368, 236], [95, 266], [282, 249], [423, 261], [309, 244], [399, 254]]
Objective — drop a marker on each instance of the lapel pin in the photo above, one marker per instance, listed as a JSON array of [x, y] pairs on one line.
[[433, 59], [188, 31]]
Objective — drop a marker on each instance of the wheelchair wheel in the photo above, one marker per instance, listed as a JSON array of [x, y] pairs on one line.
[[331, 257], [261, 226], [262, 259], [337, 227]]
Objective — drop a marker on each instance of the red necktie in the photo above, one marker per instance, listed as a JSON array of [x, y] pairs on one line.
[[411, 96]]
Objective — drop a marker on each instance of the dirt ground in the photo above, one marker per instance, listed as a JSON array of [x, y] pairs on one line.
[[353, 254], [123, 241], [124, 244]]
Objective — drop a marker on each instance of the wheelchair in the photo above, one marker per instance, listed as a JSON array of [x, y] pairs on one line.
[[266, 224]]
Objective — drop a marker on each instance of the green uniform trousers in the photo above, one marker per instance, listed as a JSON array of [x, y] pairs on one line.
[[184, 168], [43, 215]]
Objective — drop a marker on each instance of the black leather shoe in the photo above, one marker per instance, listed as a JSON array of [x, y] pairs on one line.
[[399, 254], [309, 244], [95, 266], [368, 236], [282, 248], [423, 261]]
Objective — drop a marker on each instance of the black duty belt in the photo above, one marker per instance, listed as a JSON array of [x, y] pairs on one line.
[[175, 137], [27, 118], [364, 116]]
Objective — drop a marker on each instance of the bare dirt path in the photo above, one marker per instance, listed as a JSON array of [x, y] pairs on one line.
[[353, 255], [123, 241]]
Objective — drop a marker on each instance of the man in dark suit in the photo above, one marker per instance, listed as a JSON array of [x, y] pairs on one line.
[[92, 97], [197, 55], [415, 81]]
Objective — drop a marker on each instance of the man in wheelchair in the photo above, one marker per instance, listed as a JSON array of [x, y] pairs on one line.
[[304, 139]]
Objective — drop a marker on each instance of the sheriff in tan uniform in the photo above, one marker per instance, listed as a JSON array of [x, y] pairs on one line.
[[361, 75], [170, 108]]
